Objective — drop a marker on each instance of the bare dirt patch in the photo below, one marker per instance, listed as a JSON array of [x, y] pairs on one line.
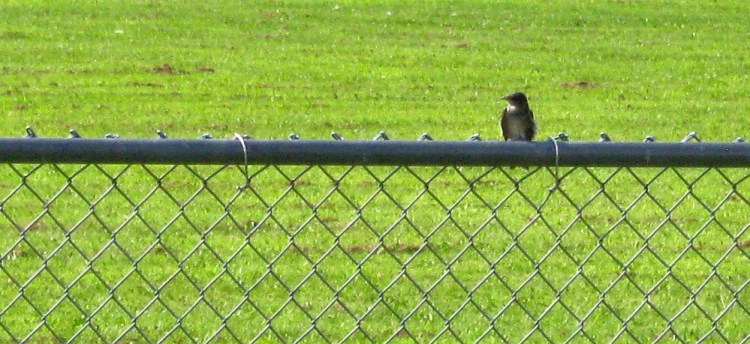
[[464, 45], [145, 84], [13, 35], [167, 70], [579, 84]]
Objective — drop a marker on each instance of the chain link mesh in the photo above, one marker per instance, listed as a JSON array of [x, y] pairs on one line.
[[112, 253]]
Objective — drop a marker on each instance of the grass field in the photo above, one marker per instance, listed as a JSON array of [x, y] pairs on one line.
[[335, 243]]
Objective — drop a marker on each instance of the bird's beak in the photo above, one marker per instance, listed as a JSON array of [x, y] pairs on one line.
[[505, 98]]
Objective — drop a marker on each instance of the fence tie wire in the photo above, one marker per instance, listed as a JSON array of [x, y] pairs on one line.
[[241, 140], [557, 165]]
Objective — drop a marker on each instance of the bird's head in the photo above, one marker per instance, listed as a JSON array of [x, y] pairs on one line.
[[517, 98]]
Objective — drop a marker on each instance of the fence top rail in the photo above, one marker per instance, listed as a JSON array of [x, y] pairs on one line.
[[380, 152]]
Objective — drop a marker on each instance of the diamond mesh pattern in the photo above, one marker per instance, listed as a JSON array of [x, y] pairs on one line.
[[108, 253]]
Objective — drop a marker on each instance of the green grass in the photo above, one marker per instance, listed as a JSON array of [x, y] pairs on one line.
[[630, 68], [310, 68]]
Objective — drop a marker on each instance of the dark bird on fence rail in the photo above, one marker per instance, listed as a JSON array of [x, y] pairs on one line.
[[517, 122]]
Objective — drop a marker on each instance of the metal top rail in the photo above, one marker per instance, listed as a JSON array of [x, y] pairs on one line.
[[381, 150]]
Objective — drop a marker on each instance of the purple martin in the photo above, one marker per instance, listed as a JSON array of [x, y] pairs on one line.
[[517, 123]]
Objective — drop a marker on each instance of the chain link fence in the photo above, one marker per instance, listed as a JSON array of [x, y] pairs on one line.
[[319, 253]]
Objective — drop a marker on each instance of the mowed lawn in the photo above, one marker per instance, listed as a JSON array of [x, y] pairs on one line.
[[149, 253]]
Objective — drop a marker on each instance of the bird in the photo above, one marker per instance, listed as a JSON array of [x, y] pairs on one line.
[[517, 122]]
